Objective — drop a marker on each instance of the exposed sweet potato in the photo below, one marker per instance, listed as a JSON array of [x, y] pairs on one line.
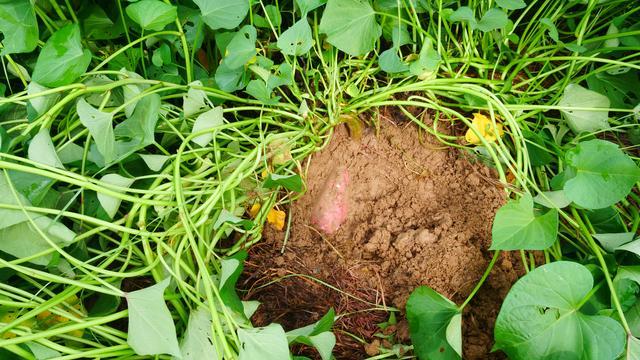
[[331, 209]]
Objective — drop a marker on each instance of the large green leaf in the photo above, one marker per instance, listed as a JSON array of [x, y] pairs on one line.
[[427, 63], [266, 343], [464, 14], [622, 89], [100, 128], [297, 39], [518, 226], [291, 182], [62, 59], [541, 319], [19, 26], [198, 341], [41, 150], [230, 80], [350, 26], [575, 96], [19, 237], [151, 329], [138, 130], [391, 62], [154, 162], [131, 91], [493, 19], [604, 174], [152, 14], [429, 315], [208, 120], [223, 14], [109, 203], [241, 48]]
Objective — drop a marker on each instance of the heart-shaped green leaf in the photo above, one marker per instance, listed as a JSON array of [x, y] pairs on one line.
[[151, 329], [604, 174], [350, 26], [390, 62], [575, 96], [109, 203], [427, 63], [152, 14], [207, 120], [19, 26], [430, 316], [493, 19], [223, 14], [19, 236], [198, 341], [266, 343], [541, 319], [100, 128], [241, 48], [62, 59], [41, 150], [517, 226], [297, 39]]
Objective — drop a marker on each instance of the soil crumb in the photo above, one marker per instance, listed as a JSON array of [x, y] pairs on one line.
[[418, 214]]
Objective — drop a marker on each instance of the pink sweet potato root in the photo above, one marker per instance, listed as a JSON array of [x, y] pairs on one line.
[[331, 208]]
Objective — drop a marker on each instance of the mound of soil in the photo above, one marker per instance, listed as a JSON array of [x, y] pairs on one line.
[[418, 214]]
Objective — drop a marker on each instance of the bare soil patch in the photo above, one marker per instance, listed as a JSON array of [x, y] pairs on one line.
[[417, 214]]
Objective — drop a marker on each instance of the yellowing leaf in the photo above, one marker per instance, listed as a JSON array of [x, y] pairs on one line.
[[485, 127], [11, 316], [255, 208], [276, 219], [47, 319], [7, 318], [279, 152]]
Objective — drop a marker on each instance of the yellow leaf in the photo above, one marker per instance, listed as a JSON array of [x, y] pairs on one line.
[[255, 208], [485, 127], [7, 318], [276, 219]]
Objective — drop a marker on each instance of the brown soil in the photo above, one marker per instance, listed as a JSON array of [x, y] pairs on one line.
[[418, 214]]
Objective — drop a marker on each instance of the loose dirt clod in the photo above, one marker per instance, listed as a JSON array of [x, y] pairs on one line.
[[417, 215]]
